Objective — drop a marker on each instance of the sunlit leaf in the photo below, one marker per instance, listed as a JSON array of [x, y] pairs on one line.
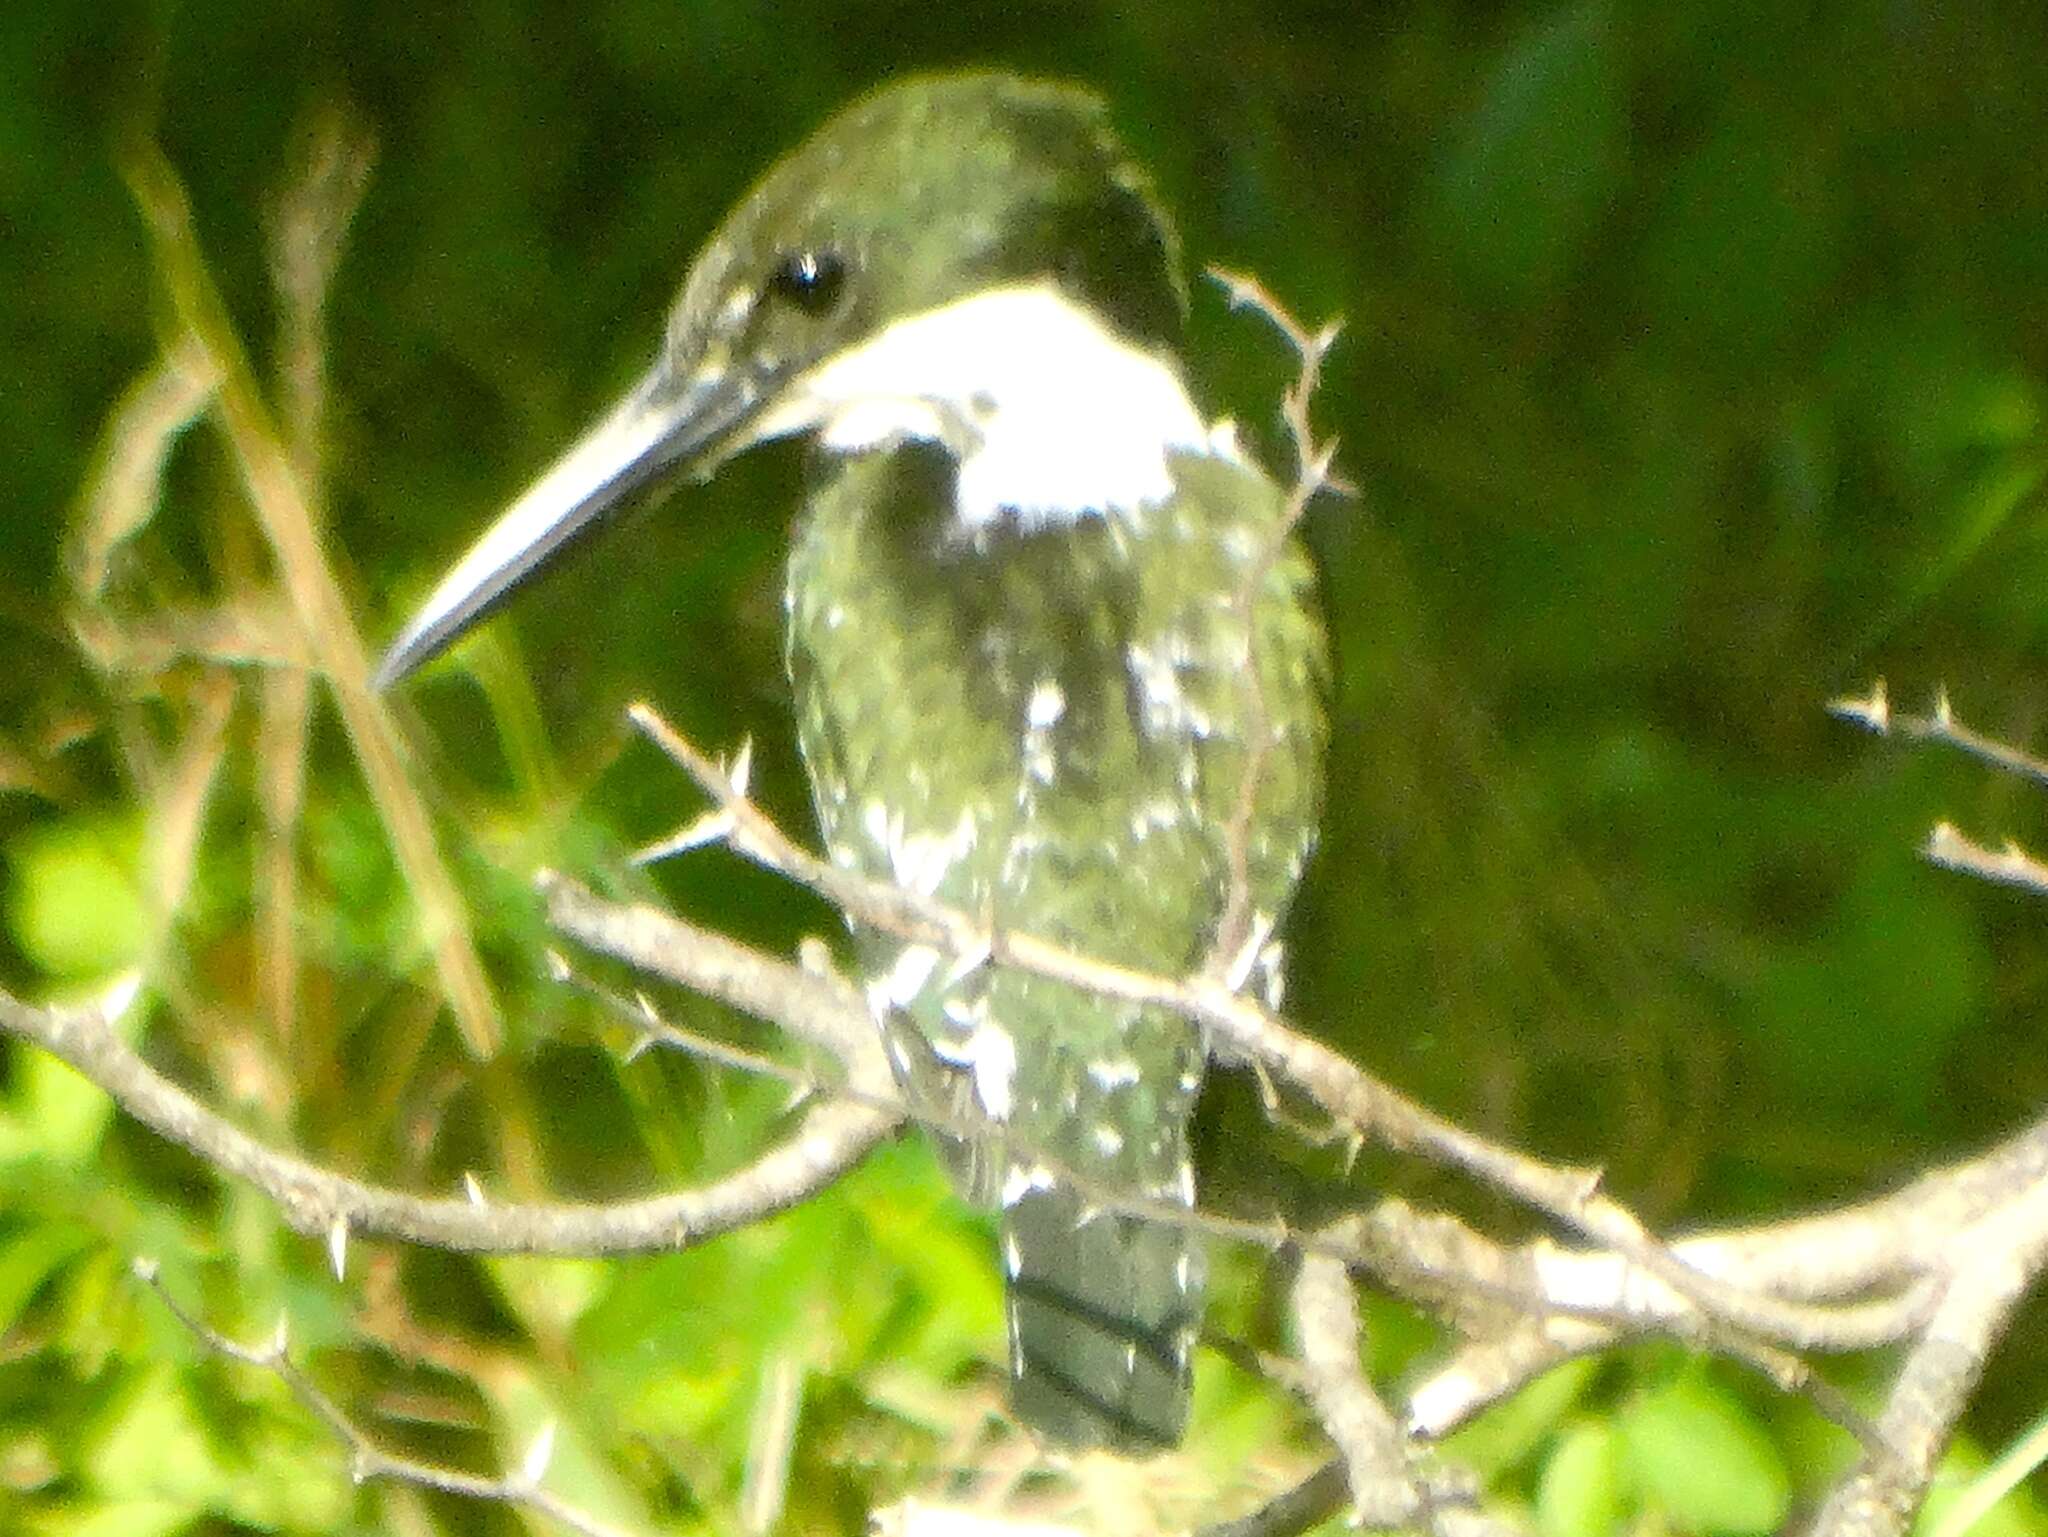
[[1584, 1490], [29, 1258], [74, 899], [1700, 1455], [1501, 1437]]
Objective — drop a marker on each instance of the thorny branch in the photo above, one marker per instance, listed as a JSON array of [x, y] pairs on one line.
[[1237, 943], [832, 1136], [1803, 1285], [367, 1462], [1947, 846], [1871, 1273], [1391, 1483], [1236, 1028]]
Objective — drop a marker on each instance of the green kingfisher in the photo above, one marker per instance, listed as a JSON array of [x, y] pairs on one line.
[[1045, 627]]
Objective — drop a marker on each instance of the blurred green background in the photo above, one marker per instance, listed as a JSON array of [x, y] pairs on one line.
[[1694, 372]]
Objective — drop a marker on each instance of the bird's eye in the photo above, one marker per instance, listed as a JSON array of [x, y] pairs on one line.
[[811, 280]]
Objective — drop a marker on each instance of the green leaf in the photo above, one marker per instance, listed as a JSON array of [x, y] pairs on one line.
[[926, 1244], [74, 904], [31, 1257], [1900, 961], [564, 1434], [284, 1473], [1506, 1433], [1750, 238], [156, 1448], [1236, 1418], [1584, 1489], [124, 1518], [54, 1114], [547, 1295], [1698, 1453]]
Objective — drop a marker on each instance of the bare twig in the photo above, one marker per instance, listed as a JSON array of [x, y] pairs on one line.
[[1391, 1484], [1315, 1499], [1874, 712], [1946, 846], [1234, 1025], [2010, 865], [1236, 943], [1938, 1266], [650, 939], [820, 1010], [284, 715], [127, 480], [179, 798], [2006, 1253], [368, 1462], [770, 1444], [832, 1137], [307, 232], [1871, 1265]]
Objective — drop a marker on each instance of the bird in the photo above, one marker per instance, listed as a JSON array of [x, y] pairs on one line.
[[1054, 650]]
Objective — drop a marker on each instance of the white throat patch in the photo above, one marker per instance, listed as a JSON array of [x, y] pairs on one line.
[[1051, 415]]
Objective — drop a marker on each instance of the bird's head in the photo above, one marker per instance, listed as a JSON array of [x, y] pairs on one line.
[[821, 306]]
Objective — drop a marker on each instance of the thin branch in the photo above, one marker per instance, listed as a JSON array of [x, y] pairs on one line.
[[308, 231], [821, 1011], [1391, 1484], [1874, 712], [652, 939], [1947, 846], [1899, 1244], [1236, 944], [284, 718], [2011, 1470], [126, 484], [832, 1137], [1239, 1028], [1309, 1503], [368, 1462], [2005, 1256], [1709, 1308], [2010, 865], [1908, 1233], [1892, 1241], [771, 1442], [254, 631]]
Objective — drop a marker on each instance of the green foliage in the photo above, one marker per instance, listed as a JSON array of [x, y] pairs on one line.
[[1584, 1488], [74, 903], [1506, 1434], [1702, 1459]]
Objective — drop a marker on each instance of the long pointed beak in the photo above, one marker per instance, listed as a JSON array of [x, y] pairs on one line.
[[663, 424]]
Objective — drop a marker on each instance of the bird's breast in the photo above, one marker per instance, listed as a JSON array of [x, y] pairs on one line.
[[1050, 723]]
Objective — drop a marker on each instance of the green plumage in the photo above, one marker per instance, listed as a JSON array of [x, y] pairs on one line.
[[1050, 727], [1008, 697]]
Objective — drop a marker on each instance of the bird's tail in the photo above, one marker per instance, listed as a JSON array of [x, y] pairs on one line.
[[1102, 1311], [1082, 1104], [1103, 1303]]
